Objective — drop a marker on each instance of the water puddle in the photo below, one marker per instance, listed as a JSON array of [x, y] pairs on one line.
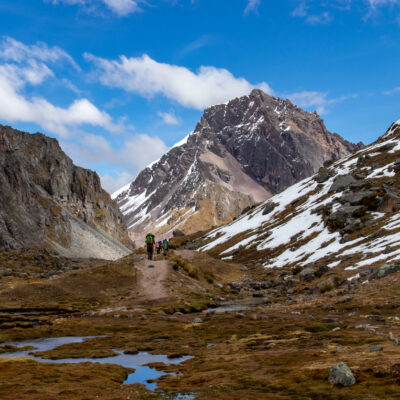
[[243, 305], [137, 361]]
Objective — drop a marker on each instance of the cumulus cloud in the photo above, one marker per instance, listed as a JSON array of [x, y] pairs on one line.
[[26, 66], [168, 118], [252, 6], [148, 78], [133, 155]]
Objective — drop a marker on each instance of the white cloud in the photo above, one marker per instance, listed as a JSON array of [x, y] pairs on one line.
[[26, 66], [132, 156], [147, 77], [379, 3], [112, 183], [121, 8], [14, 107], [252, 6], [316, 12], [392, 91], [13, 50], [310, 99], [168, 118], [317, 100]]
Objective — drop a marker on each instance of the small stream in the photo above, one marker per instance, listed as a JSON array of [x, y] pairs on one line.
[[137, 361]]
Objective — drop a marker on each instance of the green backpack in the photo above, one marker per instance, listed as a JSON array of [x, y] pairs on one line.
[[149, 238]]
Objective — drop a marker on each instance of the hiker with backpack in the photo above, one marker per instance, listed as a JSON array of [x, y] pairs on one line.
[[159, 246], [150, 242], [165, 246]]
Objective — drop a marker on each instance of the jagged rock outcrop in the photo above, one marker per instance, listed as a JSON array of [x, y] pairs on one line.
[[45, 200], [239, 154]]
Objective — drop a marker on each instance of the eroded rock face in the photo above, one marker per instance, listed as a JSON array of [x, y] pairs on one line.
[[44, 196], [239, 154]]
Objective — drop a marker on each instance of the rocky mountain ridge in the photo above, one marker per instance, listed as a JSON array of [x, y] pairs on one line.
[[342, 220], [240, 153], [45, 200]]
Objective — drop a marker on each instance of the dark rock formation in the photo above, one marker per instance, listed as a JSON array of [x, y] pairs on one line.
[[44, 196], [239, 154]]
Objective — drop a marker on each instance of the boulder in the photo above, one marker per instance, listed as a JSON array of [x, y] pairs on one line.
[[269, 207], [342, 182], [385, 270], [341, 374], [307, 274], [389, 203], [177, 233], [322, 175], [364, 198], [338, 219]]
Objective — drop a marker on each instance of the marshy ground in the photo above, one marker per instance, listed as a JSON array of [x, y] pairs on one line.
[[281, 348]]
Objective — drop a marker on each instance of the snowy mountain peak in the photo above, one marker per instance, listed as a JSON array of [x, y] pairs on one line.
[[240, 154]]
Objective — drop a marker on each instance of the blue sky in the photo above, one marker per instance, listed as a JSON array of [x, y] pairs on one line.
[[118, 82]]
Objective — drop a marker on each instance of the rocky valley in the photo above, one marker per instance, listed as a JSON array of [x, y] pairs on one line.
[[297, 298]]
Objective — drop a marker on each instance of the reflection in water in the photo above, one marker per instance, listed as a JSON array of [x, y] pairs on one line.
[[137, 361]]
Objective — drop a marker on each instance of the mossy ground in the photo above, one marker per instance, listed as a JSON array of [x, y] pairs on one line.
[[273, 351]]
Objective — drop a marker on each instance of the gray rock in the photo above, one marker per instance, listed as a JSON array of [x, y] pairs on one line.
[[197, 320], [345, 300], [341, 374], [342, 182], [269, 207], [385, 270], [357, 198], [339, 218], [307, 274], [330, 320], [376, 348], [322, 175], [235, 286]]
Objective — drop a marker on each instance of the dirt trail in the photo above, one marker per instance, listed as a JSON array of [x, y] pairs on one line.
[[151, 281]]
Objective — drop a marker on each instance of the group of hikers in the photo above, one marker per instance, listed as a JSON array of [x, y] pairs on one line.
[[160, 245]]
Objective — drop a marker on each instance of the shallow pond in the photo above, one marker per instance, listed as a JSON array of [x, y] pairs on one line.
[[137, 361]]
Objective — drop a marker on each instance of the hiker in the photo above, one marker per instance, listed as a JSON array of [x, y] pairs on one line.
[[165, 246], [159, 246], [150, 242]]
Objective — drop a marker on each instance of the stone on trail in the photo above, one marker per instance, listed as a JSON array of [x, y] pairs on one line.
[[341, 374], [376, 348], [150, 266], [197, 320]]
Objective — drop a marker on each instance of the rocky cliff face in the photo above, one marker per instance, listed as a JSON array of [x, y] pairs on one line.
[[239, 154], [45, 200]]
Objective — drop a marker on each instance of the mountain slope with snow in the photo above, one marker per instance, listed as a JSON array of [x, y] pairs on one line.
[[240, 154], [345, 216]]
